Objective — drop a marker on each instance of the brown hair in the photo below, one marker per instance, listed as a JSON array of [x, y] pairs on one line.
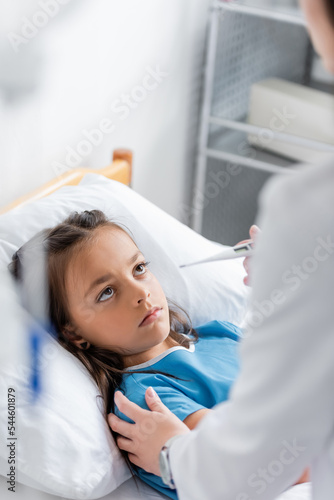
[[330, 9], [60, 243]]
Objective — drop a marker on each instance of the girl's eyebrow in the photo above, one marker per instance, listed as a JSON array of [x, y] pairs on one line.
[[108, 276]]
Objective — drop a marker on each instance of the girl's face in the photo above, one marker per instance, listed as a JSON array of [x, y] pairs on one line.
[[109, 291]]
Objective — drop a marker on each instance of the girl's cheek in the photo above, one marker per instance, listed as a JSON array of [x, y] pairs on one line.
[[87, 314]]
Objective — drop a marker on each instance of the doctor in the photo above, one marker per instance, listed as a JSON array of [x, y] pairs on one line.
[[280, 416]]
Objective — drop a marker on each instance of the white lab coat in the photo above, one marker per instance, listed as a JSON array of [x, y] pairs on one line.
[[280, 416]]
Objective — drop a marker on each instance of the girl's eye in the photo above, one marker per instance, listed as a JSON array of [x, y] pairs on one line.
[[143, 264], [105, 292]]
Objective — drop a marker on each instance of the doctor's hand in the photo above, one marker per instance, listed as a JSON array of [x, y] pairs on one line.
[[253, 232], [144, 439]]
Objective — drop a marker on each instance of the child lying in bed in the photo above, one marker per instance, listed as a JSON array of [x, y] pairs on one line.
[[110, 311]]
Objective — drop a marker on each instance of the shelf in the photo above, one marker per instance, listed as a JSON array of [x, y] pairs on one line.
[[232, 146], [248, 41], [291, 139], [267, 9]]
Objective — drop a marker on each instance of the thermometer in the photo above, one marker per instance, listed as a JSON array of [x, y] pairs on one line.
[[242, 250]]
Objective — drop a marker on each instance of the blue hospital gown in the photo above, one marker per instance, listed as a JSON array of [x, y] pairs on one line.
[[210, 367]]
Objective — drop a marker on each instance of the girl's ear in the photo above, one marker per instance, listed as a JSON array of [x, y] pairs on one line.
[[69, 334]]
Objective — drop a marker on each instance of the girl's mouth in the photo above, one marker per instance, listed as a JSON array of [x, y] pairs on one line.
[[149, 318]]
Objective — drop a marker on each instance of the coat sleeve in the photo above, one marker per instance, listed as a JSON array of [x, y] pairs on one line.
[[280, 413]]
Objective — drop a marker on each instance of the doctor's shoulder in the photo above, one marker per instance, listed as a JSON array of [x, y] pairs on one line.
[[304, 180], [305, 196]]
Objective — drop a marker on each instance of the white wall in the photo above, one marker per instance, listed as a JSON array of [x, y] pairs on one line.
[[67, 77]]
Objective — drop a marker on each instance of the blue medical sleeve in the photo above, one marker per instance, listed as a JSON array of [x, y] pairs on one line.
[[225, 328]]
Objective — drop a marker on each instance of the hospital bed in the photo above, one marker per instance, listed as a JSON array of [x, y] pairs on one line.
[[71, 454]]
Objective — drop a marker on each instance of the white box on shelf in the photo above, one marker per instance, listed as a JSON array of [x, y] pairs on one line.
[[294, 109]]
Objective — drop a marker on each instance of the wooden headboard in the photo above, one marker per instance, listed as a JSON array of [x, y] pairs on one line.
[[119, 170]]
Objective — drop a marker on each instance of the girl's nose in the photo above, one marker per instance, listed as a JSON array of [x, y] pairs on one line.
[[145, 295], [139, 292]]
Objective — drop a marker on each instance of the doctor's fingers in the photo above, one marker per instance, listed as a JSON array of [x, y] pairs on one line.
[[130, 409], [242, 242], [254, 231], [134, 447], [246, 266], [125, 444], [121, 426]]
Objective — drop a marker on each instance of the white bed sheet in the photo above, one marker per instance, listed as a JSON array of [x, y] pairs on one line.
[[128, 491]]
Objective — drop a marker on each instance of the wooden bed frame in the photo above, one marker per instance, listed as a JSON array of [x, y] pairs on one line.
[[119, 170]]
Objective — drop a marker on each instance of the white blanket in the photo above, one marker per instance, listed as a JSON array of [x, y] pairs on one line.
[[128, 491]]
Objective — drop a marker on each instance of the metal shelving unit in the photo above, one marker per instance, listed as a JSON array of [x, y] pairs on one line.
[[247, 42], [278, 10]]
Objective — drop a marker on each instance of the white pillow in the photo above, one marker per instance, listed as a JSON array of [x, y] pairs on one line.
[[61, 444], [65, 446]]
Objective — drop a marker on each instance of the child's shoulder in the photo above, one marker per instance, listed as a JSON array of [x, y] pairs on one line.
[[134, 390], [216, 327], [134, 384]]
